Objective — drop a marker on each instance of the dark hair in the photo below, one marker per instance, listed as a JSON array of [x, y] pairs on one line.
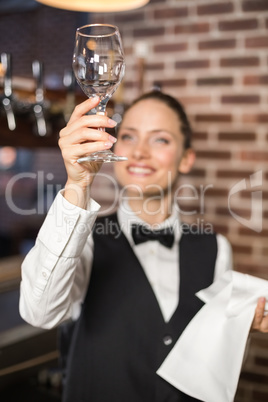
[[176, 106]]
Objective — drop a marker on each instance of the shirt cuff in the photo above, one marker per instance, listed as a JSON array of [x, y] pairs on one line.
[[67, 227]]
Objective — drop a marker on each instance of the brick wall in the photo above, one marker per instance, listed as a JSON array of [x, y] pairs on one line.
[[213, 56]]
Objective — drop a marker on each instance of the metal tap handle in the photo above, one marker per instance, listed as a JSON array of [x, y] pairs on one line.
[[37, 68], [6, 100], [6, 63], [38, 109]]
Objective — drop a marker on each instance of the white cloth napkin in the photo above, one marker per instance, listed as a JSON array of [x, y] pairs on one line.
[[206, 361]]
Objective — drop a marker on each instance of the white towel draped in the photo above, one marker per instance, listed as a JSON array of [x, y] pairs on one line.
[[206, 361]]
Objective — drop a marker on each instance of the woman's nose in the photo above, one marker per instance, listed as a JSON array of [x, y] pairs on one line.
[[141, 150]]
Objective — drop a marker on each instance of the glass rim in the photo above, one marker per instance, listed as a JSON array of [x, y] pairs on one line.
[[115, 30]]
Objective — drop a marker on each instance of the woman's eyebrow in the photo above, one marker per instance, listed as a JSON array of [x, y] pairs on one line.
[[162, 130], [128, 128], [153, 131]]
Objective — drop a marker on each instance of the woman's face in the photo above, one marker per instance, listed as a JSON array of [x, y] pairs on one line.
[[150, 137]]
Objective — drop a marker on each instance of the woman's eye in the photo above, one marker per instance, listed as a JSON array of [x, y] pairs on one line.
[[126, 137], [162, 140]]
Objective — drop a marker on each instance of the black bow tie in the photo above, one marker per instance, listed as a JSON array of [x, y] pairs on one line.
[[141, 234]]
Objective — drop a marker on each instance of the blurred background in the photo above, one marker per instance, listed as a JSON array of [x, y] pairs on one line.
[[212, 55]]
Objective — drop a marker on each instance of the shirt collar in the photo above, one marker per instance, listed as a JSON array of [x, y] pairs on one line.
[[127, 217]]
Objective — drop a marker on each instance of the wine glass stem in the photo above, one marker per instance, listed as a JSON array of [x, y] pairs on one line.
[[101, 111], [101, 114]]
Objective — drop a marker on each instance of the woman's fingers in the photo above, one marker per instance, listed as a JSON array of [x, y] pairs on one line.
[[80, 138], [73, 152], [260, 321], [93, 121], [86, 135], [84, 107]]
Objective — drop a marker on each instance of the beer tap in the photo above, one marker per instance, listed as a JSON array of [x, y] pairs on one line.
[[7, 98], [38, 107]]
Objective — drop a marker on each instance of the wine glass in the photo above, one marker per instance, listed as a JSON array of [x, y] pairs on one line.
[[99, 66]]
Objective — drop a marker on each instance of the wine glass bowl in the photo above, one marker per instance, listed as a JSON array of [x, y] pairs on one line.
[[99, 66]]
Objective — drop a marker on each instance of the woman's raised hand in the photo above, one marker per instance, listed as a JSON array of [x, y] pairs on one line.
[[81, 137]]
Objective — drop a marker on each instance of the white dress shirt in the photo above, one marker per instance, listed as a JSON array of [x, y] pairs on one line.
[[56, 272]]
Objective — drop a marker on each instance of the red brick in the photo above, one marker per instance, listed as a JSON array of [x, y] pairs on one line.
[[217, 44], [244, 213], [256, 80], [254, 155], [255, 5], [239, 61], [240, 99], [192, 28], [264, 251], [180, 82], [223, 155], [199, 135], [171, 47], [238, 24], [248, 232], [217, 192], [198, 172], [255, 270], [190, 100], [216, 118], [259, 41], [170, 12], [148, 32], [233, 174], [154, 66], [241, 249], [234, 136], [255, 118], [211, 81], [220, 228], [217, 8], [192, 64]]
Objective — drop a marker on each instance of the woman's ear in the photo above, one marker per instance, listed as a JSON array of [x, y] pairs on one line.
[[187, 161]]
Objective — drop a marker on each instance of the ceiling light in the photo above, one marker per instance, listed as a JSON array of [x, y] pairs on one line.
[[95, 5]]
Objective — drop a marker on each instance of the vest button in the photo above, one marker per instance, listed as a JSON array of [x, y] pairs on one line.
[[167, 340]]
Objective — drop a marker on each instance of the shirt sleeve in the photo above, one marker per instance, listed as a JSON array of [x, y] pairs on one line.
[[224, 260], [56, 271]]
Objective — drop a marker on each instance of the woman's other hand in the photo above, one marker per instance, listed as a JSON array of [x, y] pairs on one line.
[[260, 321]]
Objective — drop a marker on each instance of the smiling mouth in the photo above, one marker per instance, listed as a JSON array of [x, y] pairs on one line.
[[140, 170]]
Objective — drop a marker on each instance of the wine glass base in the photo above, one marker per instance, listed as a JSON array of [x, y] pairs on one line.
[[102, 157]]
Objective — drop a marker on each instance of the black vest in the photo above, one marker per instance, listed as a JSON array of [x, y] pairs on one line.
[[121, 339]]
